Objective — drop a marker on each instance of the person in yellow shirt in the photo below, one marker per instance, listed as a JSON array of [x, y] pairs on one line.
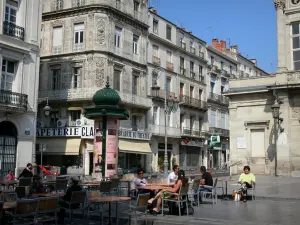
[[247, 180]]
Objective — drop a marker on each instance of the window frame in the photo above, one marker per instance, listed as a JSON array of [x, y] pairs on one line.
[[155, 26], [135, 44], [10, 7], [79, 32], [118, 37], [168, 32], [6, 74], [57, 78]]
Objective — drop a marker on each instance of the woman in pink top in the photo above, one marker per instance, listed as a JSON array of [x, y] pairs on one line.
[[10, 176]]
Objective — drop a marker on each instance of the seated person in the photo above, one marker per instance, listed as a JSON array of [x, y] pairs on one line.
[[10, 176], [36, 186], [141, 181], [247, 180], [181, 181], [65, 200], [206, 182], [173, 176]]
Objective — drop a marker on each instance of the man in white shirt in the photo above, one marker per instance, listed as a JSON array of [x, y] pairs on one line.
[[173, 176]]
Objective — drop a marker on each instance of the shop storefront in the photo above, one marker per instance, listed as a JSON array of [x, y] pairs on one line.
[[191, 154]]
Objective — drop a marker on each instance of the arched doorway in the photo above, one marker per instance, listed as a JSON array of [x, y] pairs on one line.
[[8, 146]]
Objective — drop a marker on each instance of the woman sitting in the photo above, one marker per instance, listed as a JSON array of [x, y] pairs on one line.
[[181, 181], [247, 180]]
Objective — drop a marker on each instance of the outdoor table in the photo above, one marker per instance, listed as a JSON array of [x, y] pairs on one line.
[[164, 185], [226, 186], [48, 194], [8, 183], [90, 185], [109, 200], [9, 205], [153, 187]]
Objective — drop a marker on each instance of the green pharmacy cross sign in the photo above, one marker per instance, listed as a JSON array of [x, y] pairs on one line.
[[214, 141]]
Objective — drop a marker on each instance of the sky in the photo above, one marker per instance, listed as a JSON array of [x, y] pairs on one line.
[[249, 24]]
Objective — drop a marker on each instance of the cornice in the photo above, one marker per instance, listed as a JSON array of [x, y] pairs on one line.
[[85, 10]]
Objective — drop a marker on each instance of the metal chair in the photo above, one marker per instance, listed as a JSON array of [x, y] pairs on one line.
[[105, 187], [213, 193], [47, 207], [253, 190], [181, 197], [25, 212], [61, 185], [139, 209], [89, 205], [194, 192], [8, 196]]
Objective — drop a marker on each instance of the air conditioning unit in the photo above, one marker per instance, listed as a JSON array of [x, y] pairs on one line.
[[81, 122], [40, 124], [61, 123]]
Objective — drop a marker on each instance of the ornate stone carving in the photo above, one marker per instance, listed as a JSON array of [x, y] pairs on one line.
[[295, 106], [295, 2], [100, 65], [293, 77], [56, 23], [279, 4], [79, 19], [100, 37]]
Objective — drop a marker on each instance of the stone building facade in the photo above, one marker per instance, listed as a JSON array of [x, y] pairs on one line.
[[251, 122], [19, 59]]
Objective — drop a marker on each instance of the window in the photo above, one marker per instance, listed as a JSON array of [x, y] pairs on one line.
[[213, 114], [192, 66], [59, 4], [222, 89], [7, 75], [76, 77], [168, 84], [118, 35], [296, 45], [192, 121], [169, 32], [55, 79], [154, 79], [200, 94], [200, 70], [117, 76], [135, 84], [230, 69], [222, 65], [181, 89], [78, 33], [250, 71], [11, 12], [135, 44], [134, 120], [169, 56], [181, 62], [136, 5], [191, 91], [155, 118], [181, 37], [57, 39], [155, 26], [212, 87], [155, 50], [75, 115], [212, 60], [169, 122], [223, 120]]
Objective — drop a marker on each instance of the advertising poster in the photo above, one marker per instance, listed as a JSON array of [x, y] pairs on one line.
[[97, 144], [112, 144]]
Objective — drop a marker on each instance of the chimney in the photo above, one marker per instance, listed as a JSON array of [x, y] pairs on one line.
[[215, 42], [223, 44], [182, 28], [155, 11], [254, 61]]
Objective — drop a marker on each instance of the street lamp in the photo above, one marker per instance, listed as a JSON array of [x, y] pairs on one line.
[[275, 112], [47, 108]]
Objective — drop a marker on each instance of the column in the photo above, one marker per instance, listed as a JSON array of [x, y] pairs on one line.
[[281, 45]]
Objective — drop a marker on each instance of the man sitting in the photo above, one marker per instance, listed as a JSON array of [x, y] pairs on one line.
[[173, 176], [206, 182]]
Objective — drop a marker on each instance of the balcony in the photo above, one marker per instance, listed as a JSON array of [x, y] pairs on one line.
[[218, 98], [78, 3], [202, 79], [156, 60], [193, 50], [201, 55], [160, 94], [12, 100], [86, 94], [182, 71], [13, 30], [183, 45], [192, 75], [193, 102], [78, 47], [191, 132], [56, 50], [159, 130], [219, 131], [131, 134], [215, 69], [170, 66]]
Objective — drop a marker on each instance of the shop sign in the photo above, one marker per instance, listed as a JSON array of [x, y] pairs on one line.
[[85, 132], [192, 143]]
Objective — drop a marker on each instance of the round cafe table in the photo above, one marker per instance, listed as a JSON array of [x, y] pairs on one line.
[[226, 186], [48, 194], [109, 200]]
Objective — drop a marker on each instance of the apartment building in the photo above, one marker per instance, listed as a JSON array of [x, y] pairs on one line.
[[19, 60], [177, 69], [84, 42]]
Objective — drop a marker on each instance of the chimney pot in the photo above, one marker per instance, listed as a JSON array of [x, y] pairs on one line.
[[223, 44], [183, 28]]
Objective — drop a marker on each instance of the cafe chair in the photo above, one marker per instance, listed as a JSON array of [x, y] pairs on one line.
[[8, 196], [93, 208], [213, 195], [105, 187], [47, 210], [195, 192], [25, 212], [61, 185], [139, 209]]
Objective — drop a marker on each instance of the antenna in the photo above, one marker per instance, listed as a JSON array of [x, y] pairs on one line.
[[229, 42]]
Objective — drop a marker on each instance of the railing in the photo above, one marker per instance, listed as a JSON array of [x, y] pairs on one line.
[[193, 50], [78, 3], [190, 101], [186, 131], [83, 94], [160, 130], [192, 74], [13, 99], [156, 60], [219, 131], [183, 45], [13, 30], [160, 93], [202, 79], [126, 133], [78, 47], [201, 55], [218, 98], [170, 66], [215, 69], [57, 5], [182, 71], [56, 50]]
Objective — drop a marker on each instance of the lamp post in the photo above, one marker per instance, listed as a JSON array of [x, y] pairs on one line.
[[47, 108], [275, 112]]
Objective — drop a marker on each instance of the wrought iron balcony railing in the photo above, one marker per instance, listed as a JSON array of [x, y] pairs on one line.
[[193, 75], [186, 131], [13, 100], [201, 55], [182, 71], [193, 102], [219, 131], [218, 98], [13, 30]]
